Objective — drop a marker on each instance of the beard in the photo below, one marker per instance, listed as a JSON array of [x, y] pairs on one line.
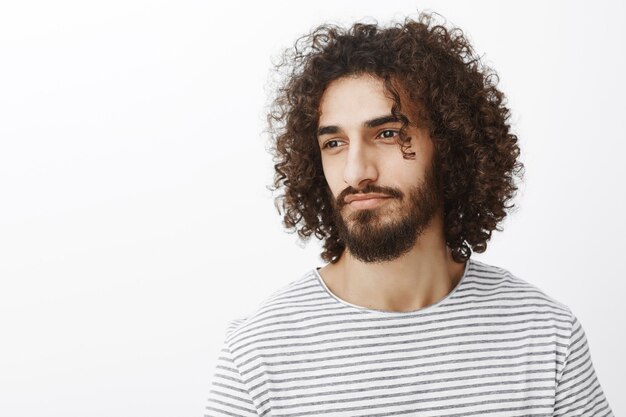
[[379, 234]]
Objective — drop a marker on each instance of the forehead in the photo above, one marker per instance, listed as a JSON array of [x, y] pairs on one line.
[[352, 99]]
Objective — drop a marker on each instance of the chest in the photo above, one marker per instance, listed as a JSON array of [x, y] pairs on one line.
[[431, 368]]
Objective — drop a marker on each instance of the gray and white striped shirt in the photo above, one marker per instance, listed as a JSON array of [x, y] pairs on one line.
[[495, 345]]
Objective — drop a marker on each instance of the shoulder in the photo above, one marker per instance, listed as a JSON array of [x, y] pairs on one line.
[[279, 309], [486, 279]]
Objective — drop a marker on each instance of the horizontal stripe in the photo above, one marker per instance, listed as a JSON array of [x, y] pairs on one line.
[[495, 345]]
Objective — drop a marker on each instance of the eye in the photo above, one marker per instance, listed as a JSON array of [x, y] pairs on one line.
[[388, 134], [333, 143]]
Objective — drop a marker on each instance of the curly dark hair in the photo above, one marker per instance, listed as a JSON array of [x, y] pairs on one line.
[[455, 97]]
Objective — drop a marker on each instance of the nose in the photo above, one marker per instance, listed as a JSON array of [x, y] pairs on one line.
[[360, 168]]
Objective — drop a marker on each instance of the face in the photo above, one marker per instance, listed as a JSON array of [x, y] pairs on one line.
[[382, 202]]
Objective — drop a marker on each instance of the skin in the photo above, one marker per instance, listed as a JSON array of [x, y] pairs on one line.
[[355, 155]]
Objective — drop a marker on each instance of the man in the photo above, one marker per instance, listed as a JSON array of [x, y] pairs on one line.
[[393, 146]]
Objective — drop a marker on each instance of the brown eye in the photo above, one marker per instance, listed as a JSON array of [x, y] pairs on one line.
[[388, 134], [333, 143]]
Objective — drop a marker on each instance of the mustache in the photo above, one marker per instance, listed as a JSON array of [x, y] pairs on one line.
[[369, 188]]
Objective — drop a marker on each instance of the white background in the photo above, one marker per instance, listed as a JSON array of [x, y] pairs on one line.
[[135, 221]]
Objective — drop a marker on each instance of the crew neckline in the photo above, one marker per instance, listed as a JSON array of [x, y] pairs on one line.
[[422, 310]]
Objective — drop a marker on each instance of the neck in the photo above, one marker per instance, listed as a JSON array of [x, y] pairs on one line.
[[419, 278]]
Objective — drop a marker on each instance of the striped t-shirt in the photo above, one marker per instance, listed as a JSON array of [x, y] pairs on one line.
[[495, 345]]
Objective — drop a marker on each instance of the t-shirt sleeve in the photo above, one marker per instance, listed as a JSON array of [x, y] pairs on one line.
[[229, 395], [578, 391]]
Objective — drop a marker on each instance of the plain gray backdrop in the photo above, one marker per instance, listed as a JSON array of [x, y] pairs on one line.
[[135, 221]]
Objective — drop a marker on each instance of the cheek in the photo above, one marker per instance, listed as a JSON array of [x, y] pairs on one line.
[[412, 171], [333, 175], [402, 173]]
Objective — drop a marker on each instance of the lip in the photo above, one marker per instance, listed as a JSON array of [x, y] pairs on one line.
[[361, 197], [366, 201]]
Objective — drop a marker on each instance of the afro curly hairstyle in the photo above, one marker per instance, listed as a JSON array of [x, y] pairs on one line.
[[456, 98]]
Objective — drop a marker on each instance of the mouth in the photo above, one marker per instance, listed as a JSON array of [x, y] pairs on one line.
[[364, 201]]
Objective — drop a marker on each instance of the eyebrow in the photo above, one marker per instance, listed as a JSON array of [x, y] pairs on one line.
[[378, 121]]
